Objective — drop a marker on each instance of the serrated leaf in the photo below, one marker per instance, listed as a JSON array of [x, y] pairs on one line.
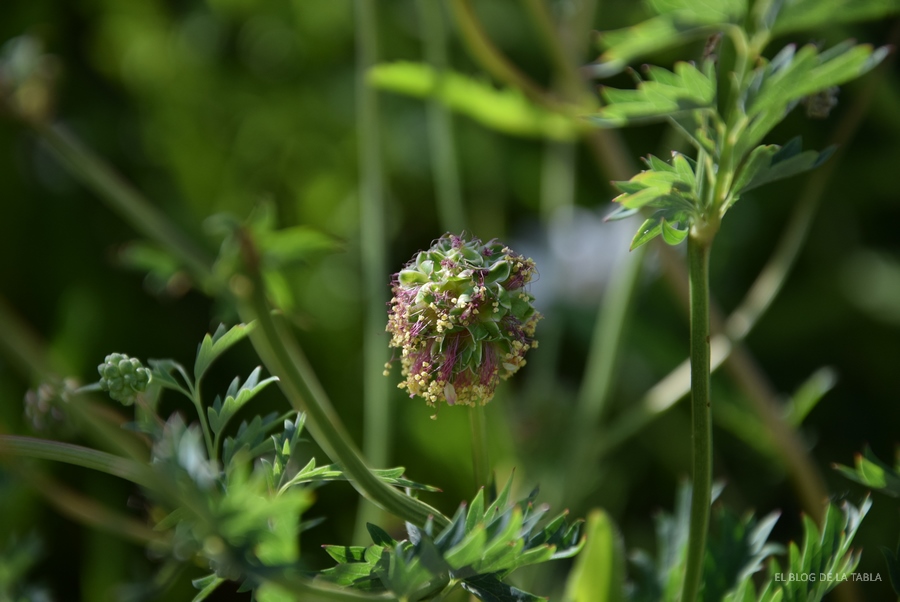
[[251, 436], [686, 89], [809, 72], [506, 110], [815, 14], [599, 571], [221, 412], [770, 163], [212, 346]]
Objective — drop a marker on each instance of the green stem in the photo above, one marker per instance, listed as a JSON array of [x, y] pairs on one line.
[[76, 455], [124, 199], [283, 357], [701, 436], [481, 463], [451, 210], [212, 448], [377, 423], [490, 57]]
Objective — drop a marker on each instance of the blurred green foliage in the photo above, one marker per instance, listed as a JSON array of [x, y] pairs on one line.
[[220, 106]]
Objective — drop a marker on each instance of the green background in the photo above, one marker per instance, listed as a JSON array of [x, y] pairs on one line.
[[219, 106]]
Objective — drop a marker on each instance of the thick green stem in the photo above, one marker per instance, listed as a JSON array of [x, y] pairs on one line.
[[481, 463], [701, 425], [283, 357]]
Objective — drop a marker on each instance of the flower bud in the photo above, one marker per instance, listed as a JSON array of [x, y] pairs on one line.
[[462, 319], [124, 377]]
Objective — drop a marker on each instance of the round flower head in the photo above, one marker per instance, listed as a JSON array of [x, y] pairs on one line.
[[124, 377], [462, 319]]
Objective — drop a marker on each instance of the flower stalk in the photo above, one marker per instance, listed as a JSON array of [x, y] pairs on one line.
[[701, 424]]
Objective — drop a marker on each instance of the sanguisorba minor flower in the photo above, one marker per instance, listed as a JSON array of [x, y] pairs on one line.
[[462, 319]]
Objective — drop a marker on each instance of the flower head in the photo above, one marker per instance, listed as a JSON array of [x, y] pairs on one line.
[[124, 377], [462, 319]]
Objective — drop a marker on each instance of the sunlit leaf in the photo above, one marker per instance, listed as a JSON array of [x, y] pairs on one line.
[[505, 110]]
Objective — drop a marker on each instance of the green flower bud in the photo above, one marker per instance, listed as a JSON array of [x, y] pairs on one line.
[[124, 377], [462, 319]]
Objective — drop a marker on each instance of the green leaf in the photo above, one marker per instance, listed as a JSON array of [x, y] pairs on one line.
[[505, 110], [206, 585], [221, 412], [814, 14], [622, 46], [650, 229], [379, 536], [685, 89], [488, 588], [252, 437], [770, 163], [702, 11], [873, 473], [164, 374], [599, 571], [671, 234], [809, 71], [809, 394], [212, 346]]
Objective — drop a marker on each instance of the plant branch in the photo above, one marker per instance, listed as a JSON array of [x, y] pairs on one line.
[[481, 46], [284, 358]]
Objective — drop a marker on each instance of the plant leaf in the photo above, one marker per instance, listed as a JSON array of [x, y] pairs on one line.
[[813, 14], [212, 346], [673, 93], [599, 571], [506, 110]]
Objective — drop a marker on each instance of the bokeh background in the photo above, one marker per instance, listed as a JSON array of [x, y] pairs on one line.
[[224, 105]]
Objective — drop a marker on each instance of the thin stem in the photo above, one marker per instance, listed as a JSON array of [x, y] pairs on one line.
[[212, 448], [284, 358], [451, 210], [124, 199], [481, 463], [492, 59], [78, 456], [701, 437]]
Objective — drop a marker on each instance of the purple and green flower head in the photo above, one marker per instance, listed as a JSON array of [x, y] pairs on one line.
[[462, 319]]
